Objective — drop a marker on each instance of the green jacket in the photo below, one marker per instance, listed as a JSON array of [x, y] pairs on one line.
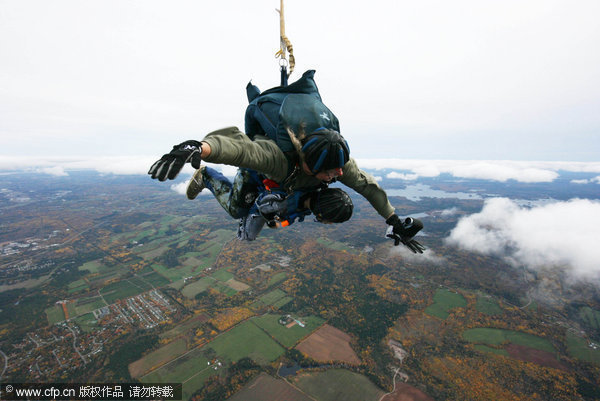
[[233, 147]]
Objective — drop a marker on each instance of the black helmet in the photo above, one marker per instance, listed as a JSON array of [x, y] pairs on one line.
[[331, 205], [325, 149]]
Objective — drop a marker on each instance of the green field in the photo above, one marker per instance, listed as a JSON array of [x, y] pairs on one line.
[[246, 340], [155, 279], [335, 245], [580, 349], [488, 305], [444, 301], [276, 279], [86, 322], [86, 305], [93, 267], [288, 337], [282, 302], [55, 314], [158, 357], [271, 297], [590, 316], [485, 348], [77, 285], [191, 369], [222, 275], [224, 288], [492, 336], [123, 289], [183, 327], [195, 288], [338, 384]]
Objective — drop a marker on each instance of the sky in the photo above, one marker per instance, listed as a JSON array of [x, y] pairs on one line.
[[428, 80]]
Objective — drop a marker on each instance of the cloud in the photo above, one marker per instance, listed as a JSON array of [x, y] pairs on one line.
[[401, 176], [586, 181], [561, 234], [180, 188], [427, 257], [449, 212], [496, 170], [56, 171]]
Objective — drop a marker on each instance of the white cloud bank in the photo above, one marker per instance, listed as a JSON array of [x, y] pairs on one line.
[[563, 234], [595, 180], [497, 170]]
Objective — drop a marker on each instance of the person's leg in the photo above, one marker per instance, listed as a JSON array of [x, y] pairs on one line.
[[236, 198]]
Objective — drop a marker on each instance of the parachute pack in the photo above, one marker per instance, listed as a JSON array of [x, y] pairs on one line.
[[297, 106]]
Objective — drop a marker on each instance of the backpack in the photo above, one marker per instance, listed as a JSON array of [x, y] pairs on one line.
[[297, 106]]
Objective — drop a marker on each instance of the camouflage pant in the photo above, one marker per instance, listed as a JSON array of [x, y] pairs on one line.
[[236, 198]]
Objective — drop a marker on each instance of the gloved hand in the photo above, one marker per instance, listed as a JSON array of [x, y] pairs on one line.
[[404, 232], [271, 206], [171, 163]]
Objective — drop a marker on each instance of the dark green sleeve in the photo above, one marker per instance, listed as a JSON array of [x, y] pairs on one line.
[[231, 146], [365, 184]]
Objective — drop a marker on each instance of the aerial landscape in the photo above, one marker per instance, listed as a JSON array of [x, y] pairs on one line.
[[115, 278], [461, 262]]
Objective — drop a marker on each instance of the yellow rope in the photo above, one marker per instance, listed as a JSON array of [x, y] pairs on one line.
[[286, 45], [290, 50]]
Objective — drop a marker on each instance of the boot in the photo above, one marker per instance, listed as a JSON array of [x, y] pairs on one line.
[[196, 184]]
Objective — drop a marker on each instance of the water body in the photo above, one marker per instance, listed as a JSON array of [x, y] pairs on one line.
[[418, 191]]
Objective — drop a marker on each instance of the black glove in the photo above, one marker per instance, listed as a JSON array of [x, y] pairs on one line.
[[171, 164], [404, 232], [272, 206]]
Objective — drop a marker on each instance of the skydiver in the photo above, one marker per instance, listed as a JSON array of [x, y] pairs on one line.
[[278, 147]]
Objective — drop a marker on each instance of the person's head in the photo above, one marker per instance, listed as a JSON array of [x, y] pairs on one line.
[[325, 152], [331, 205]]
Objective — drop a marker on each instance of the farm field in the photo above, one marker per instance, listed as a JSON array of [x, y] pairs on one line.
[[488, 305], [406, 392], [179, 369], [55, 314], [579, 348], [272, 297], [338, 384], [276, 279], [123, 289], [246, 340], [267, 388], [86, 322], [157, 358], [590, 316], [444, 301], [287, 336], [517, 345], [86, 305], [195, 288], [77, 285], [492, 336], [154, 279], [183, 327], [191, 369], [329, 344], [93, 267], [485, 348]]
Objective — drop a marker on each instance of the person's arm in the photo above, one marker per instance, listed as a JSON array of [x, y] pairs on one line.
[[233, 147], [365, 184], [225, 146]]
